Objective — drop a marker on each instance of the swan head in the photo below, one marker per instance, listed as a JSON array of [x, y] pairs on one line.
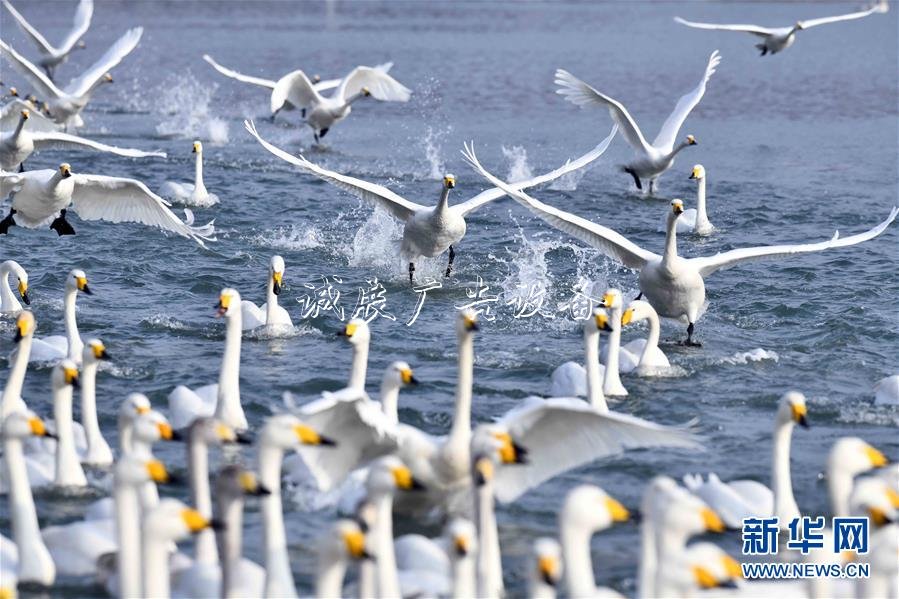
[[357, 331], [23, 424], [152, 427], [872, 497], [25, 325], [286, 431], [134, 405], [228, 304], [547, 561], [345, 541], [698, 172], [636, 311], [172, 520], [850, 456], [26, 114], [94, 351], [107, 78], [388, 475], [234, 481], [494, 442], [21, 275], [467, 322], [690, 141], [316, 78], [462, 537], [599, 322], [709, 567], [792, 408], [366, 92], [212, 431], [276, 268], [798, 26], [613, 299], [588, 507], [77, 280], [13, 92], [65, 374], [399, 375], [133, 469], [65, 170], [198, 148], [682, 513], [677, 207], [449, 181], [80, 45]]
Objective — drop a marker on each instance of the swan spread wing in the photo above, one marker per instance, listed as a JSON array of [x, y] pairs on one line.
[[539, 426], [115, 199], [10, 182], [294, 87], [359, 427], [612, 244], [124, 45], [266, 83], [668, 133], [11, 112], [58, 139], [30, 71], [80, 25], [880, 7], [579, 93], [381, 85], [570, 166], [708, 265], [30, 31], [399, 207], [753, 29]]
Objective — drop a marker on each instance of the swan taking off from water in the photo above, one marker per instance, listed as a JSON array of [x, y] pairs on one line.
[[192, 194], [65, 105], [427, 231], [652, 159], [777, 39], [673, 285], [53, 56], [44, 196]]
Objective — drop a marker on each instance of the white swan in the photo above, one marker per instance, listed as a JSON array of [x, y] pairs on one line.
[[649, 359], [43, 197], [777, 39], [586, 511], [695, 220], [697, 570], [322, 113], [427, 231], [485, 461], [168, 522], [571, 379], [53, 56], [270, 314], [34, 564], [674, 285], [849, 457], [886, 391], [652, 159], [223, 398], [65, 105], [741, 499], [68, 471], [546, 568], [11, 398], [70, 346], [344, 542], [97, 451], [17, 145], [191, 194], [442, 567], [613, 355], [9, 304]]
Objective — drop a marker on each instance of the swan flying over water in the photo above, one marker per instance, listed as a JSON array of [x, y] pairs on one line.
[[52, 56]]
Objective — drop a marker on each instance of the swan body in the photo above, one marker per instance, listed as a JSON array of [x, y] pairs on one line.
[[191, 194], [778, 39], [442, 567], [42, 197], [652, 159], [887, 391], [675, 286], [17, 145], [741, 499], [270, 315], [223, 399], [53, 56], [70, 346], [65, 105], [646, 357], [9, 303], [428, 231]]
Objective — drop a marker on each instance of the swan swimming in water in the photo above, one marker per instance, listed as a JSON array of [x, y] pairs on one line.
[[652, 159], [778, 39], [191, 194], [694, 220], [53, 56], [675, 286], [70, 346], [9, 305], [269, 315]]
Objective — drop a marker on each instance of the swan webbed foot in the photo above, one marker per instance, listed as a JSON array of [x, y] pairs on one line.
[[7, 222], [411, 270], [324, 132], [763, 48], [61, 225], [449, 267], [689, 341]]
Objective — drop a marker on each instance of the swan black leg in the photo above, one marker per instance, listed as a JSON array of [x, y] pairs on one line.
[[303, 113], [274, 114], [449, 267], [61, 225], [315, 134], [689, 342], [639, 296], [22, 167], [324, 132], [652, 186], [7, 222], [633, 174], [411, 270]]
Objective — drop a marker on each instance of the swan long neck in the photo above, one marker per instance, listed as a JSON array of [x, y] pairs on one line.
[[591, 363], [612, 380], [228, 407], [781, 481], [359, 367], [198, 171], [576, 557], [329, 579], [489, 558], [701, 215], [352, 99], [443, 204], [464, 574], [839, 486], [156, 566], [89, 404], [648, 557], [7, 298], [388, 580], [35, 563], [390, 395], [72, 334], [230, 542], [271, 301], [652, 339], [677, 149], [68, 464], [127, 515], [670, 241], [19, 128], [12, 393], [278, 577], [461, 430], [205, 550]]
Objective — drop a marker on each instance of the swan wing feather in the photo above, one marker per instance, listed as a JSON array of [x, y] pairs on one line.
[[266, 83], [28, 29], [56, 139], [123, 46], [30, 71], [668, 133], [80, 25], [294, 87], [380, 84], [753, 29], [879, 7]]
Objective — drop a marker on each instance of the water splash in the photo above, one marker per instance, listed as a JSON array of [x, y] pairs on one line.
[[183, 107], [432, 146], [292, 237], [518, 167], [756, 355]]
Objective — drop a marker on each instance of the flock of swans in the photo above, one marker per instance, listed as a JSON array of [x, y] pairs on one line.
[[352, 452]]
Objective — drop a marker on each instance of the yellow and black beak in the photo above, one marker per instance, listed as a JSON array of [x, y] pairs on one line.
[[250, 485], [366, 92], [461, 545], [618, 512], [196, 522], [196, 148], [277, 279], [81, 283], [158, 472], [712, 521], [100, 352], [355, 544], [23, 291], [39, 429], [471, 323], [627, 317], [22, 326], [309, 436], [222, 306], [548, 567], [65, 170], [878, 460], [404, 480], [348, 331], [677, 207], [483, 471], [26, 114], [166, 433], [510, 452], [602, 322], [71, 377], [108, 77], [449, 181], [407, 377], [691, 140], [800, 416]]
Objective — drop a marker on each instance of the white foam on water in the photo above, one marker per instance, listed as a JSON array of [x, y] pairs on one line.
[[164, 321], [182, 104], [432, 146], [755, 355], [290, 237], [519, 170]]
